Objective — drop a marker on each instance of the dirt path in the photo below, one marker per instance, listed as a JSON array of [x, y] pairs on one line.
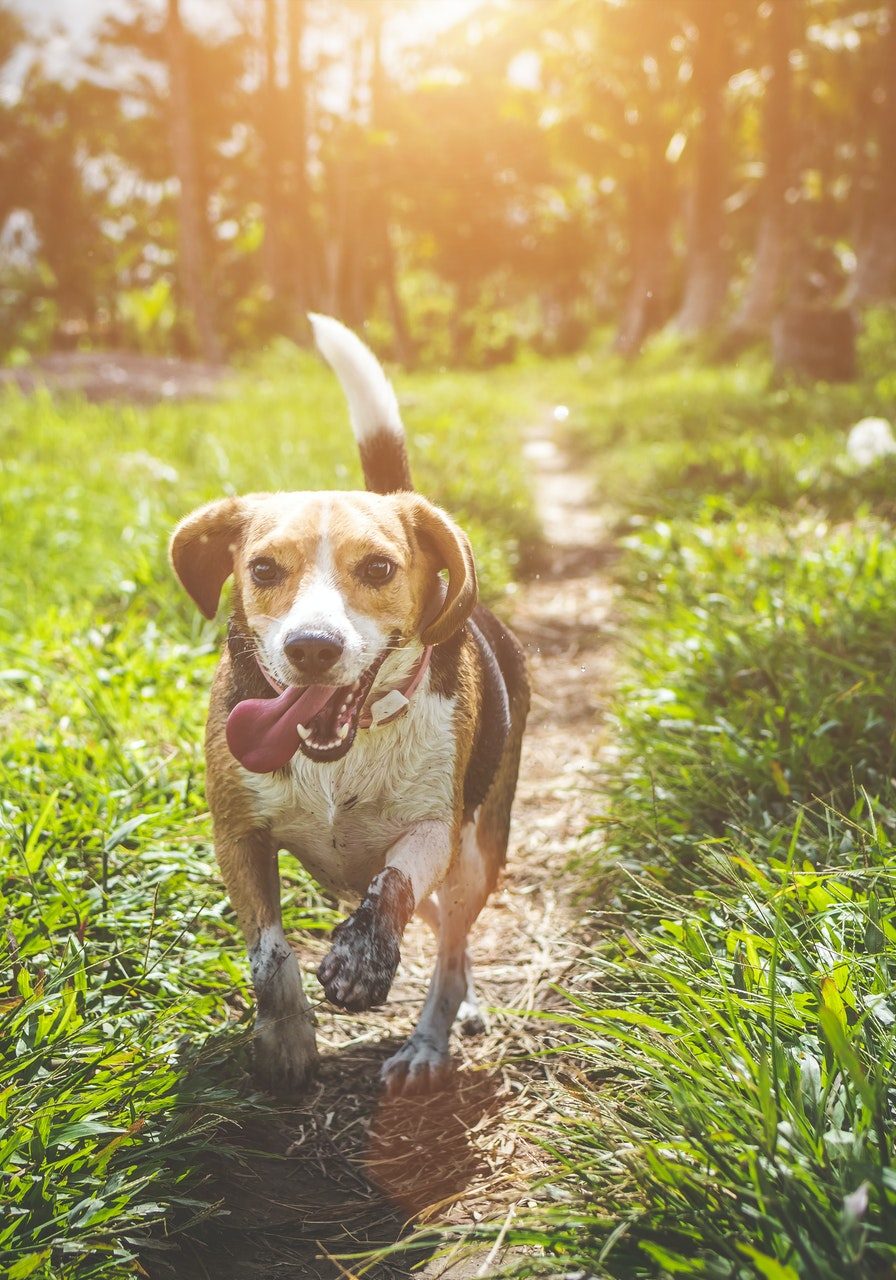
[[348, 1169]]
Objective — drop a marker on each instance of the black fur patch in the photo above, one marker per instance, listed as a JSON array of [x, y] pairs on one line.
[[444, 666], [385, 463], [494, 714], [357, 971]]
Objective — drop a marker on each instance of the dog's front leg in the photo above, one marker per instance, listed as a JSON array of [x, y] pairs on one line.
[[285, 1050], [358, 970]]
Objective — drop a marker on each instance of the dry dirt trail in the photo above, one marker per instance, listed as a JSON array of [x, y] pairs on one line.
[[347, 1169]]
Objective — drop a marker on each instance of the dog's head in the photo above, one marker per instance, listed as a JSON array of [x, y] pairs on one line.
[[327, 585]]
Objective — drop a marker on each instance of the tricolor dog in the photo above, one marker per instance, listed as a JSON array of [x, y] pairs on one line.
[[366, 716]]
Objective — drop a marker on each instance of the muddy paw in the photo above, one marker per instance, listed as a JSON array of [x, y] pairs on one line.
[[285, 1056], [420, 1066], [357, 971]]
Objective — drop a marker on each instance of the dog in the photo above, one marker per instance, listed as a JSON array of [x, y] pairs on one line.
[[366, 716]]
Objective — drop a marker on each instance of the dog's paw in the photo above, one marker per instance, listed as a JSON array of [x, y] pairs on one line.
[[420, 1066], [284, 1056], [357, 971]]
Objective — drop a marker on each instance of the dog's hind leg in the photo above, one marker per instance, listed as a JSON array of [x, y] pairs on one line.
[[471, 1021], [423, 1063], [428, 912]]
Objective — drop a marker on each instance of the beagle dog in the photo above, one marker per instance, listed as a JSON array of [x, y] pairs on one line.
[[366, 716]]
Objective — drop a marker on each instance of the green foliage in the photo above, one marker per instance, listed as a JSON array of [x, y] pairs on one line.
[[148, 316], [673, 432], [122, 1026], [744, 1048], [766, 642], [534, 157], [734, 1113], [739, 1017]]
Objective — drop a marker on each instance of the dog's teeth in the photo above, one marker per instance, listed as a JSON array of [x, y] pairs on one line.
[[343, 733], [304, 734]]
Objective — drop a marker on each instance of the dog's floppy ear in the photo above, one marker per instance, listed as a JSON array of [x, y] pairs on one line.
[[451, 547], [202, 548]]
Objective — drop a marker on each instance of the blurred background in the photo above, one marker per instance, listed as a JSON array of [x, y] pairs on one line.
[[463, 176]]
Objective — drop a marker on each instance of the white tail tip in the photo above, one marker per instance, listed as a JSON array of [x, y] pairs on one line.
[[371, 401]]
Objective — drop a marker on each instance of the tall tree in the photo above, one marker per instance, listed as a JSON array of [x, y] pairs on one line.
[[706, 269], [875, 277], [191, 219], [301, 237], [768, 277], [381, 193], [272, 126], [645, 125]]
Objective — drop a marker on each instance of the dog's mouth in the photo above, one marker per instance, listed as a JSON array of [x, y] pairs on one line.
[[328, 734], [319, 720]]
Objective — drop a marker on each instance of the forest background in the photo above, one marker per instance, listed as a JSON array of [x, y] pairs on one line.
[[465, 178]]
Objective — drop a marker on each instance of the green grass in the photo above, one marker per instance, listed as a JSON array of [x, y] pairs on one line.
[[735, 1027], [124, 1008], [671, 430], [737, 1023]]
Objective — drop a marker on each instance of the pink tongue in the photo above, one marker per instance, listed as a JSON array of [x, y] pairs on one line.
[[263, 733]]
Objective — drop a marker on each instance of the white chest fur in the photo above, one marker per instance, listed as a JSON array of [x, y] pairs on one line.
[[340, 819]]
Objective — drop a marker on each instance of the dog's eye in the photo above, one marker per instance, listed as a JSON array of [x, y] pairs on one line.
[[377, 570], [264, 571]]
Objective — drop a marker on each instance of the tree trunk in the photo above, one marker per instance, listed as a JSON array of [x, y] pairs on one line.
[[706, 277], [646, 303], [815, 342], [768, 280], [875, 277], [387, 260], [301, 230], [352, 223], [272, 151], [192, 271], [345, 286]]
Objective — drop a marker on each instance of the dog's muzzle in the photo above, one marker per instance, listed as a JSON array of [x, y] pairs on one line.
[[320, 721]]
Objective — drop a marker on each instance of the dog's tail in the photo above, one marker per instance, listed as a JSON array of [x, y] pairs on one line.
[[372, 405]]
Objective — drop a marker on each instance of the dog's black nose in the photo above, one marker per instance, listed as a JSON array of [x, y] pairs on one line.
[[313, 653]]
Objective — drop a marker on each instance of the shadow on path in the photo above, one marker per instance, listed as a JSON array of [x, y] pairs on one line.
[[352, 1171]]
